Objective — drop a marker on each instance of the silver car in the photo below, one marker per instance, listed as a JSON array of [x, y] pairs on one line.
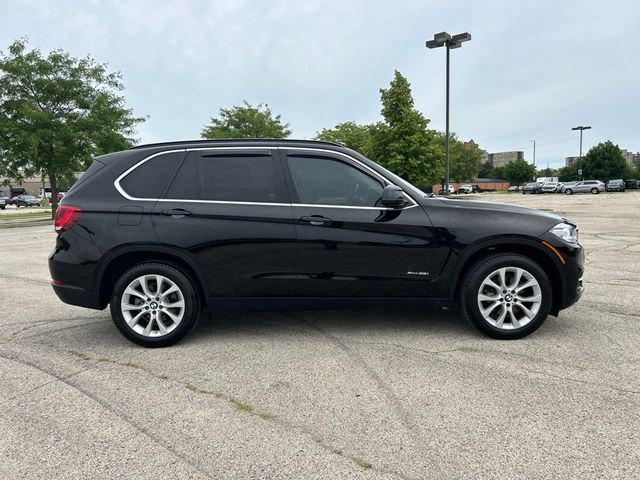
[[586, 186]]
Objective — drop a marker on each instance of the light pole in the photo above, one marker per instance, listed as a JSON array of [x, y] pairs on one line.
[[443, 39], [581, 128], [534, 158]]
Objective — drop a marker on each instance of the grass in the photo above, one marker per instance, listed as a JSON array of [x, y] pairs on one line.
[[26, 215]]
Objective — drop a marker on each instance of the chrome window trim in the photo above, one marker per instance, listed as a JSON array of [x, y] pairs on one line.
[[385, 181]]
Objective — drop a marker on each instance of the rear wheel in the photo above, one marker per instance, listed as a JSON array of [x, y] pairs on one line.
[[568, 191], [154, 305], [506, 296]]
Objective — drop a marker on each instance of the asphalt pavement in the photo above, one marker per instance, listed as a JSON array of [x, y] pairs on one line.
[[330, 394]]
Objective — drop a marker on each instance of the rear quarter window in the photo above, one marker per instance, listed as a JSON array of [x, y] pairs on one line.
[[150, 179]]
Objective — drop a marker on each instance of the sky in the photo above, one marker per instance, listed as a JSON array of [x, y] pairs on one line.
[[533, 69]]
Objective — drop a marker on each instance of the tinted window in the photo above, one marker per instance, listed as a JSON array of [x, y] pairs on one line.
[[150, 179], [187, 184], [324, 181], [231, 178]]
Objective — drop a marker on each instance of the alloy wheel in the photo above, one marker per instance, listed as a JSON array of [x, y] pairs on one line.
[[509, 298], [152, 305]]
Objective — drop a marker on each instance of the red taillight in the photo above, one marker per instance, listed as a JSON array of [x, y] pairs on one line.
[[66, 217]]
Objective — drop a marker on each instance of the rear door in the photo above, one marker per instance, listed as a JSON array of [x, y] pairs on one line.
[[227, 209], [348, 244]]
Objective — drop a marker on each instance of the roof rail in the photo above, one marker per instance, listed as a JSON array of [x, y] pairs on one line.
[[240, 140]]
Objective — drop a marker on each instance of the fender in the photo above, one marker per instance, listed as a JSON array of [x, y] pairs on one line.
[[117, 252], [497, 243]]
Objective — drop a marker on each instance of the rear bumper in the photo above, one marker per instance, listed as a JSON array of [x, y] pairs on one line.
[[77, 296]]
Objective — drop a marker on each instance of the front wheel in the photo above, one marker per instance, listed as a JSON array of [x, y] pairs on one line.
[[154, 305], [595, 191], [506, 296]]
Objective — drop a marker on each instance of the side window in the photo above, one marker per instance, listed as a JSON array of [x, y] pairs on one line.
[[150, 179], [239, 178], [187, 184], [231, 178], [325, 181]]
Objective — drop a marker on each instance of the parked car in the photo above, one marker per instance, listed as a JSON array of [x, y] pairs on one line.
[[550, 187], [465, 189], [533, 187], [631, 184], [586, 186], [163, 232], [512, 188], [566, 185], [615, 185], [26, 201], [3, 203], [451, 190]]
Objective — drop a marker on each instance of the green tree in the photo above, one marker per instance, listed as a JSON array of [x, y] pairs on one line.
[[568, 174], [519, 171], [604, 162], [402, 142], [56, 112], [246, 121], [486, 170], [547, 172], [351, 135], [464, 160]]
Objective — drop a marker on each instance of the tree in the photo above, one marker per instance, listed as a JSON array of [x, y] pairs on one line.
[[464, 160], [547, 172], [56, 112], [519, 171], [351, 135], [486, 170], [604, 162], [246, 121], [569, 173], [402, 142]]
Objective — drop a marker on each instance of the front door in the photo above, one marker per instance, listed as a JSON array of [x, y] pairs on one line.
[[348, 244]]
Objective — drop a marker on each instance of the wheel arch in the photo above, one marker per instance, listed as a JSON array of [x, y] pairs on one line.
[[530, 248], [122, 259]]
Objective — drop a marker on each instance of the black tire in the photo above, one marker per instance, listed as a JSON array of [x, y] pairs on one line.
[[473, 281], [595, 191], [191, 300]]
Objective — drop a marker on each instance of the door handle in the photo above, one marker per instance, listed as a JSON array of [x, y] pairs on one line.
[[316, 220], [176, 212]]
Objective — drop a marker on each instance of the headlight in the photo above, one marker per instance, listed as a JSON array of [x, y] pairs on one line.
[[567, 232]]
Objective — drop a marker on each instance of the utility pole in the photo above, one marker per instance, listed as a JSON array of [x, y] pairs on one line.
[[581, 170]]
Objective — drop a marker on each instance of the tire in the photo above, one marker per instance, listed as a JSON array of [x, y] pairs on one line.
[[475, 284], [595, 191], [147, 331], [568, 191]]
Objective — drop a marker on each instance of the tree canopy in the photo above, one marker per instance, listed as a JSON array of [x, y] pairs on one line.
[[517, 172], [604, 162], [351, 135], [246, 121], [56, 112]]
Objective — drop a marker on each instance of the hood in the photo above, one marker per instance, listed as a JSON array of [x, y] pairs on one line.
[[502, 207]]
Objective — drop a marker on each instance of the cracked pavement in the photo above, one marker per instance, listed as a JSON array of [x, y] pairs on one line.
[[329, 394]]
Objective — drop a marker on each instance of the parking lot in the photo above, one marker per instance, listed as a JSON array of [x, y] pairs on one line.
[[329, 394]]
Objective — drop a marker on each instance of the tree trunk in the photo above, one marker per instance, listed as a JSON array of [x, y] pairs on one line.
[[54, 192]]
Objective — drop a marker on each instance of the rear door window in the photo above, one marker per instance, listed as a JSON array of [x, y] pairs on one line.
[[226, 177]]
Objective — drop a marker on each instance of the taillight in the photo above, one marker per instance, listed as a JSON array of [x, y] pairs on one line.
[[66, 217]]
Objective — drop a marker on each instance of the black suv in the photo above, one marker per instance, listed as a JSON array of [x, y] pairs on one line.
[[161, 232]]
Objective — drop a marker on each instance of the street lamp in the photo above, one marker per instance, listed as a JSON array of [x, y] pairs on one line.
[[534, 158], [443, 39], [581, 128]]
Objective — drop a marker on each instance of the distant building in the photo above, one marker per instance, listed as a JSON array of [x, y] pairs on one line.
[[33, 185], [629, 156], [500, 159], [570, 161]]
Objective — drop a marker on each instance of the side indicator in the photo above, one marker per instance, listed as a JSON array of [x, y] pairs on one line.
[[554, 250]]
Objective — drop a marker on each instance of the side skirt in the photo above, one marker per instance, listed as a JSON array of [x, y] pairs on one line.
[[312, 303]]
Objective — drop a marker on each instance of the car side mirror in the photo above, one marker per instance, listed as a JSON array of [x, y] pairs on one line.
[[393, 196]]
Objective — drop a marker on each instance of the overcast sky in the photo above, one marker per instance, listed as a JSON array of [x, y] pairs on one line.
[[533, 70]]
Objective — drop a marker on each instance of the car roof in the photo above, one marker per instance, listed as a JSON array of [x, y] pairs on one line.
[[278, 142]]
